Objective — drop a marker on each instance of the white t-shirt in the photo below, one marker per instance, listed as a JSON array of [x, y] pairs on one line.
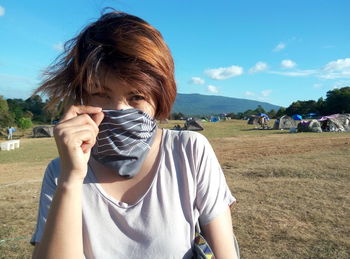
[[188, 185]]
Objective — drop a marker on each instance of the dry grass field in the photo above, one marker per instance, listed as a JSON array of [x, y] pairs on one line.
[[293, 190]]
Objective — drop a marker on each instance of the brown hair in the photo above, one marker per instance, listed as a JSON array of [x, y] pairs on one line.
[[121, 44]]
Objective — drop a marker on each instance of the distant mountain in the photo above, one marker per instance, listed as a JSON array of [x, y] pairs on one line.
[[197, 104]]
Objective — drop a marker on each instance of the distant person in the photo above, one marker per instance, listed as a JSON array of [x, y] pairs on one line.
[[261, 121], [10, 131], [122, 187]]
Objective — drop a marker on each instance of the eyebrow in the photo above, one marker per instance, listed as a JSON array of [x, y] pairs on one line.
[[134, 92], [101, 90]]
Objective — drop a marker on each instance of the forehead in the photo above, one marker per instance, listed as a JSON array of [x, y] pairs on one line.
[[107, 82]]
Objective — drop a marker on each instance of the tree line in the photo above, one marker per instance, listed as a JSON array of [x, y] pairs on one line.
[[337, 101], [239, 116], [21, 113]]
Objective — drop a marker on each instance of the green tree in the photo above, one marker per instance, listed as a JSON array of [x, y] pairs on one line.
[[294, 108], [249, 113], [321, 106], [281, 111], [36, 106], [16, 107], [338, 101], [240, 116], [28, 114], [303, 107], [54, 112], [177, 116], [259, 109], [232, 115], [3, 105], [272, 114], [25, 123], [6, 118]]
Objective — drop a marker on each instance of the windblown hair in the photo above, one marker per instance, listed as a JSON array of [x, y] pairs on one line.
[[120, 44]]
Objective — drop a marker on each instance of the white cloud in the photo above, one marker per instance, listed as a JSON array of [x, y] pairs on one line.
[[266, 93], [224, 72], [317, 86], [248, 93], [260, 66], [287, 63], [339, 64], [58, 46], [340, 84], [280, 46], [295, 73], [197, 81], [336, 69], [2, 11], [212, 89]]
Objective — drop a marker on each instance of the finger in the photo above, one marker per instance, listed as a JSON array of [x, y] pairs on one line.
[[76, 110], [69, 130], [70, 136], [86, 146], [98, 117], [86, 138], [78, 121]]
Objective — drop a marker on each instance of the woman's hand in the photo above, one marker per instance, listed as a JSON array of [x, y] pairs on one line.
[[75, 135]]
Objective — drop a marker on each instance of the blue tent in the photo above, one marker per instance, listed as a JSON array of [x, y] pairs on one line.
[[264, 115], [297, 117]]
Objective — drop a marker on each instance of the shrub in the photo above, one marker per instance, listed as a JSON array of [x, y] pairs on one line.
[[24, 123]]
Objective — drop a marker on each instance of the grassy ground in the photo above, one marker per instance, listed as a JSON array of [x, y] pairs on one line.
[[292, 190]]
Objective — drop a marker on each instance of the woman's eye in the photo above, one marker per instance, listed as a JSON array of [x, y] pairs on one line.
[[137, 98]]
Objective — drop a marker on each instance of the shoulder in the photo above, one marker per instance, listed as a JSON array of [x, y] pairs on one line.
[[185, 138], [190, 146]]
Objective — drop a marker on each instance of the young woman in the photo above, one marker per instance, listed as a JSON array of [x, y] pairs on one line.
[[121, 187]]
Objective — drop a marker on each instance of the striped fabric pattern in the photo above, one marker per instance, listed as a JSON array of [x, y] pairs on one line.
[[124, 139]]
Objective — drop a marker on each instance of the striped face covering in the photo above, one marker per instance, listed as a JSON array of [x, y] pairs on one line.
[[124, 140]]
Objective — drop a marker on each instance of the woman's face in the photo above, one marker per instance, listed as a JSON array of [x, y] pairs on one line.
[[117, 96]]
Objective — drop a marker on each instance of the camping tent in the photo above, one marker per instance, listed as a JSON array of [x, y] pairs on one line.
[[192, 124], [264, 115], [297, 117], [335, 122], [309, 126], [43, 131], [253, 119], [214, 119], [345, 120], [285, 122]]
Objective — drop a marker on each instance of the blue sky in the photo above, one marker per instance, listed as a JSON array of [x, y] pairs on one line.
[[275, 51]]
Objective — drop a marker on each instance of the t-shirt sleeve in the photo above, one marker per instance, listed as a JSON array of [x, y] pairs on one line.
[[48, 189], [213, 194]]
